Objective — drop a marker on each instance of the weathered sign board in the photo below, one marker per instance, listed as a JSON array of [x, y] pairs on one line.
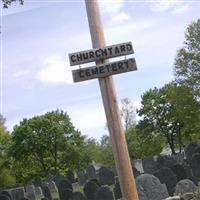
[[100, 53], [104, 70]]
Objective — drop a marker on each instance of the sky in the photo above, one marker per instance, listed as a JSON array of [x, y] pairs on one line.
[[37, 37]]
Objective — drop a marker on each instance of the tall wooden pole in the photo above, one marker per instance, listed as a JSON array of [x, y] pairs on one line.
[[120, 150]]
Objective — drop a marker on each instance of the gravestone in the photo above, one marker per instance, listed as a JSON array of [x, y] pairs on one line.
[[7, 194], [77, 196], [149, 164], [63, 185], [70, 176], [190, 150], [138, 165], [90, 189], [103, 193], [195, 165], [38, 191], [4, 197], [57, 178], [90, 172], [135, 172], [117, 191], [46, 192], [179, 171], [166, 175], [17, 193], [141, 193], [106, 176], [81, 177], [67, 194], [25, 198], [185, 186], [52, 186], [151, 187], [95, 181], [30, 192], [165, 161]]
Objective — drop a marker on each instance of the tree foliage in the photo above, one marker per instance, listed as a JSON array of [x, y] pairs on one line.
[[187, 62], [172, 111], [127, 113], [48, 143]]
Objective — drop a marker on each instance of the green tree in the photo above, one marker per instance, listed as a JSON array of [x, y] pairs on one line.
[[140, 143], [6, 176], [187, 62], [7, 3], [171, 111], [49, 143]]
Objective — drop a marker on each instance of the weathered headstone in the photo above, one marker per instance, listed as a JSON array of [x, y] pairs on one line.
[[195, 165], [52, 186], [165, 161], [166, 175], [70, 176], [30, 192], [90, 172], [151, 187], [103, 193], [138, 165], [46, 192], [106, 176], [7, 194], [63, 185], [141, 193], [135, 172], [95, 181], [67, 194], [3, 197], [149, 164], [38, 191], [190, 150], [185, 186], [17, 193], [90, 189], [57, 178], [179, 171], [77, 196], [81, 177]]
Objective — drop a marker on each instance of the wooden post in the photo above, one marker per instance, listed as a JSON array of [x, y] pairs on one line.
[[120, 150]]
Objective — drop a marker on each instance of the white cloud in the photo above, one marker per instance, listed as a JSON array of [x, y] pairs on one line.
[[56, 70], [20, 73], [174, 6], [111, 6], [120, 18]]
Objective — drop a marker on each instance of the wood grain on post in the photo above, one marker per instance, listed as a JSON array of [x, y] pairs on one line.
[[120, 150]]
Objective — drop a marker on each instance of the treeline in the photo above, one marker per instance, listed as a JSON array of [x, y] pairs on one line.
[[169, 116]]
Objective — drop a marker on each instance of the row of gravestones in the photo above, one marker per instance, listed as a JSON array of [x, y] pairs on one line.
[[169, 171]]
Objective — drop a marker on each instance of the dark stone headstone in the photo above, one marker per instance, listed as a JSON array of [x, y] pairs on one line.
[[150, 187], [30, 192], [103, 193], [195, 180], [141, 193], [58, 178], [7, 194], [90, 189], [190, 150], [81, 177], [117, 191], [17, 193], [165, 161], [166, 175], [90, 172], [179, 171], [25, 198], [106, 176], [63, 185], [150, 164], [77, 196], [4, 197], [67, 194], [195, 165], [135, 172], [95, 181], [52, 186], [70, 176], [46, 192], [185, 186]]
